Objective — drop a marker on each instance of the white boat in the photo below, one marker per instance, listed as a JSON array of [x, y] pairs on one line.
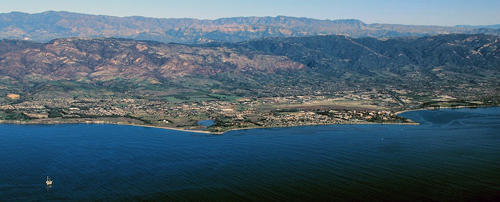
[[49, 181]]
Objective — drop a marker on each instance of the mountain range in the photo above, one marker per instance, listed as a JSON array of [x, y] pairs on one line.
[[464, 66], [43, 27]]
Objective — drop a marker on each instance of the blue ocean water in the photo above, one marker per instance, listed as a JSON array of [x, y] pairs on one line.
[[454, 155]]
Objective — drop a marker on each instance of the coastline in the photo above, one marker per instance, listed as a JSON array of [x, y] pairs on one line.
[[437, 108], [120, 121], [87, 121], [102, 122], [176, 129], [350, 123]]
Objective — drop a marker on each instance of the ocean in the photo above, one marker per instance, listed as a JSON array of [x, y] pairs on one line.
[[453, 155]]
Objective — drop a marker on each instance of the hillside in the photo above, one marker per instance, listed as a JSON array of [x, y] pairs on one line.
[[458, 65], [44, 27]]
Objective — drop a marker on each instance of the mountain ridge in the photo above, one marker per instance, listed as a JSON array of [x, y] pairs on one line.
[[49, 25], [460, 65]]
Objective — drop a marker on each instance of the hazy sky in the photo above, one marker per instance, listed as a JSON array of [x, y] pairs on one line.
[[416, 12]]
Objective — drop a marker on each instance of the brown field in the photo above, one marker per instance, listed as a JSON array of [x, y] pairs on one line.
[[326, 105]]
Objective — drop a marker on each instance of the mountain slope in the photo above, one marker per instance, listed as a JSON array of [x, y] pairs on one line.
[[437, 63], [459, 65], [100, 58], [364, 55], [46, 26]]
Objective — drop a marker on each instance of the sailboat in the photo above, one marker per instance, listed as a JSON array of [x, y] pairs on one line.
[[49, 181]]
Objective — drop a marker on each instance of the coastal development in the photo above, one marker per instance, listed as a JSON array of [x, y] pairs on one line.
[[238, 113]]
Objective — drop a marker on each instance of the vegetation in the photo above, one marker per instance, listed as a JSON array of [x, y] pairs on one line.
[[271, 82]]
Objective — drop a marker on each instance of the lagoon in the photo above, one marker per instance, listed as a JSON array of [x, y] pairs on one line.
[[453, 155]]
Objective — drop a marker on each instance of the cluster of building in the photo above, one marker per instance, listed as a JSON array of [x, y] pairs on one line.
[[247, 112]]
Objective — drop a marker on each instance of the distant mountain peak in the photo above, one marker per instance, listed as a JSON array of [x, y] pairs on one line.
[[48, 25], [497, 26], [349, 21]]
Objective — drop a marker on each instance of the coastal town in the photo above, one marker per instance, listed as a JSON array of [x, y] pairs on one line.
[[341, 108]]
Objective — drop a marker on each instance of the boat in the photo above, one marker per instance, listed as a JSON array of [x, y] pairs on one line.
[[49, 181]]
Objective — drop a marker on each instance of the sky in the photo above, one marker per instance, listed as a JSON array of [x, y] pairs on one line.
[[409, 12]]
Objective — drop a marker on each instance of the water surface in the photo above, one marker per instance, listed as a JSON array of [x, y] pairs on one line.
[[454, 155]]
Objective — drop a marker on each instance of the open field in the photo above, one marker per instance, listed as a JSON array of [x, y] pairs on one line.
[[325, 105]]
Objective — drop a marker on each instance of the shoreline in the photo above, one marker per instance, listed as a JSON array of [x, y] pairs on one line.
[[97, 121], [188, 130], [437, 108], [350, 123], [170, 128], [363, 123], [411, 110], [103, 122]]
